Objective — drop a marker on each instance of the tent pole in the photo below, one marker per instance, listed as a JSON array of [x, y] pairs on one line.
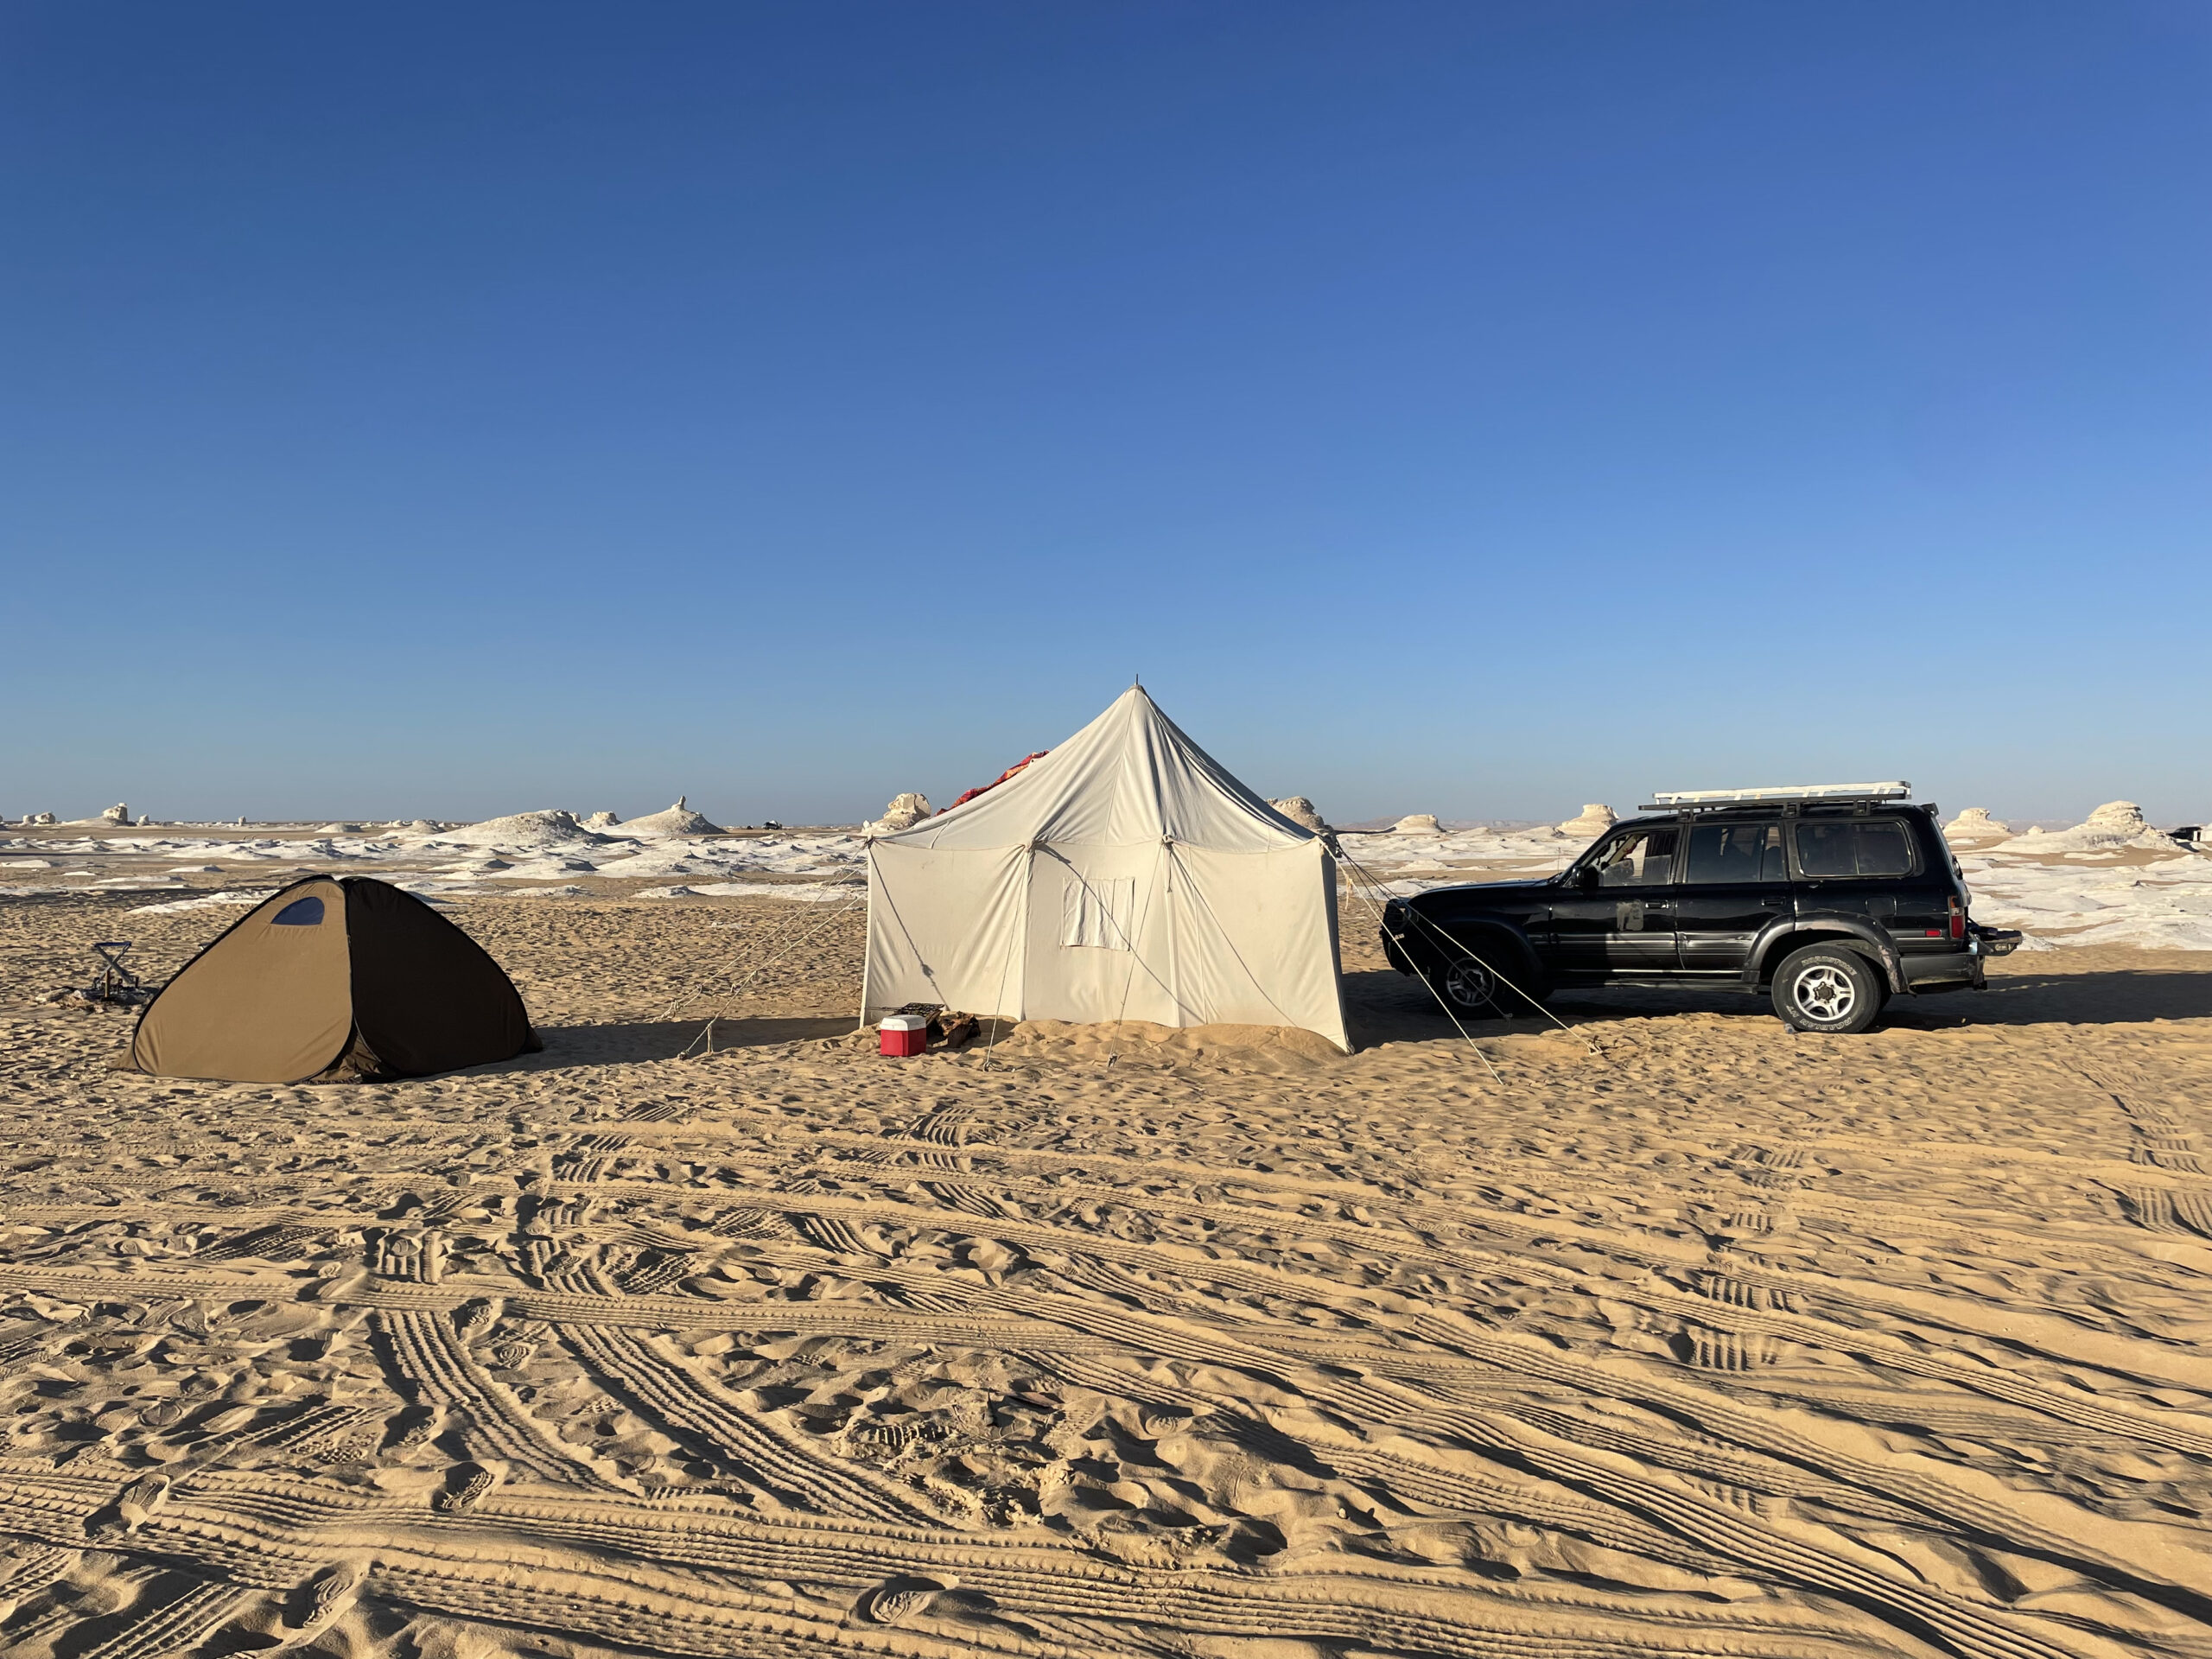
[[865, 953], [1020, 939]]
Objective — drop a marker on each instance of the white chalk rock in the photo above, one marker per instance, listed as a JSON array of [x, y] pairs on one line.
[[1301, 812], [602, 821], [40, 818], [117, 814], [547, 827], [1593, 821], [903, 813], [677, 820], [1417, 824], [1974, 824], [2113, 827]]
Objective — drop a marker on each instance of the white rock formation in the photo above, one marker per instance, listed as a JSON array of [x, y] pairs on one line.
[[2113, 827], [1975, 825], [1591, 821], [1300, 811], [40, 819], [549, 827], [602, 821], [120, 814], [903, 813], [1417, 824], [677, 820]]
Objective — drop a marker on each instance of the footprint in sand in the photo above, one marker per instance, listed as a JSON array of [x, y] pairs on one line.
[[467, 1484], [901, 1600]]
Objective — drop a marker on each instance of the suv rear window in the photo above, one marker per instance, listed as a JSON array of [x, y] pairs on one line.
[[1853, 848], [1735, 852]]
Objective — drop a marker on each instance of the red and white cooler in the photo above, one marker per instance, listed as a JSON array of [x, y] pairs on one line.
[[902, 1034]]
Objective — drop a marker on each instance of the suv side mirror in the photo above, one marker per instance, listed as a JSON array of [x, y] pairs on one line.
[[1588, 878]]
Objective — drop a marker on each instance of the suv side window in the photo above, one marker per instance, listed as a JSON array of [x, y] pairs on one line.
[[1833, 847], [1642, 858], [1736, 852]]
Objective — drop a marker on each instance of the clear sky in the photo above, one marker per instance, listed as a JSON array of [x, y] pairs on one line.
[[1477, 409]]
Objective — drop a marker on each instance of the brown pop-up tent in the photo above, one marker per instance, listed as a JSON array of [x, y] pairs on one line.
[[333, 980]]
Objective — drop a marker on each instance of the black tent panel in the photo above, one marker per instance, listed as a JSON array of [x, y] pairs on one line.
[[426, 996]]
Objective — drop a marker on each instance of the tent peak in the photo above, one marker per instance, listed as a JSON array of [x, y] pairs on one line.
[[1130, 777]]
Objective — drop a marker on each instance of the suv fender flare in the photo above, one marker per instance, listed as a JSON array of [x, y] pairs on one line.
[[1491, 939], [1773, 943]]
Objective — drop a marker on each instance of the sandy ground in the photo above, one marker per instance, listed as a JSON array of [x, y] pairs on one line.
[[1715, 1341]]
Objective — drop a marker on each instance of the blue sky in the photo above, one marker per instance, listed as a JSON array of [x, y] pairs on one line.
[[1472, 408]]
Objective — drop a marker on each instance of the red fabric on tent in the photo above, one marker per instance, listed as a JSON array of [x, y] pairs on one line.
[[995, 782]]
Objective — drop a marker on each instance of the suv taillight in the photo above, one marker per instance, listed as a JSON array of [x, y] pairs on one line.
[[1958, 918]]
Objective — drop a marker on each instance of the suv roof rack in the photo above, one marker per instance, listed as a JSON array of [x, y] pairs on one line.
[[1687, 800]]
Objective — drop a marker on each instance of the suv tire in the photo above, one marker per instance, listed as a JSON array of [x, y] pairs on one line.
[[1469, 990], [1829, 988]]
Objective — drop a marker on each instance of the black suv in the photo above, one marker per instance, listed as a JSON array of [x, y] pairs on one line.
[[1834, 896]]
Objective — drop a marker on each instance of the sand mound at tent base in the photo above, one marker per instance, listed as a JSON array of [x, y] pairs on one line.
[[1139, 1038]]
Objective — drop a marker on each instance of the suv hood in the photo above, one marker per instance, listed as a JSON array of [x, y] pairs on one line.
[[1485, 886]]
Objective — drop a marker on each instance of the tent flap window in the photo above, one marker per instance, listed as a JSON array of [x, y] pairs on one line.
[[1099, 913], [300, 912]]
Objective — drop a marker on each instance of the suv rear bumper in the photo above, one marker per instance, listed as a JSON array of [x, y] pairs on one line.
[[1993, 941], [1951, 970]]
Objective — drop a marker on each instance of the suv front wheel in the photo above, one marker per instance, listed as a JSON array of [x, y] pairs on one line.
[[1469, 990], [1827, 988]]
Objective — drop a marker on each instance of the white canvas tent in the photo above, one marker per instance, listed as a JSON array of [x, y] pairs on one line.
[[1126, 875]]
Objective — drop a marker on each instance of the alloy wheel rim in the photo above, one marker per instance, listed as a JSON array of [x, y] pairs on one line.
[[1467, 984], [1825, 992]]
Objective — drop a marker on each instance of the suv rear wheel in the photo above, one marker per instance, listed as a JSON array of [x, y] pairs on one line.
[[1827, 988]]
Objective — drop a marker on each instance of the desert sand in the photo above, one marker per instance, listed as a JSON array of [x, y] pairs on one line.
[[1680, 1335]]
